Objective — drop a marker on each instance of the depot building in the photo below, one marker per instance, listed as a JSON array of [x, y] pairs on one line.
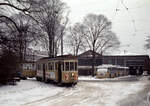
[[137, 63]]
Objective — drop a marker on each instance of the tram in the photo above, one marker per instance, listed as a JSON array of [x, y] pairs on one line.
[[111, 71], [28, 70], [61, 69]]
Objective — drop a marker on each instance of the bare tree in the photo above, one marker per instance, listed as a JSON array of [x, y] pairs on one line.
[[49, 16], [19, 38], [20, 5], [76, 39], [7, 10], [15, 5], [97, 34]]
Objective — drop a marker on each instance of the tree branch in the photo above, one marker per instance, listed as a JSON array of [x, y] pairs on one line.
[[11, 5], [3, 16]]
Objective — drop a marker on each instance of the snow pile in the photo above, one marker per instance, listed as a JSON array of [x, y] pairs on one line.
[[26, 91], [87, 78], [94, 79]]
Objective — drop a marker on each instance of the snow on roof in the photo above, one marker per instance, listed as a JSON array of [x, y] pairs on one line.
[[125, 53], [102, 70], [104, 66]]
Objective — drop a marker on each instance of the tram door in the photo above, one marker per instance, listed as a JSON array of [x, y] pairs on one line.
[[43, 72], [59, 71]]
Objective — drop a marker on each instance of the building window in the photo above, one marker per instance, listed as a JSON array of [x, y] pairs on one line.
[[109, 61]]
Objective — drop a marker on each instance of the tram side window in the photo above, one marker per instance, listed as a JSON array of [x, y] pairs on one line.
[[52, 66], [49, 66], [75, 66], [56, 65], [67, 66], [63, 66], [28, 68], [71, 66], [39, 67], [46, 66]]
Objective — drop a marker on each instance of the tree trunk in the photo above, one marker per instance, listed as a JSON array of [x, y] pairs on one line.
[[51, 47], [62, 44], [93, 59], [93, 63]]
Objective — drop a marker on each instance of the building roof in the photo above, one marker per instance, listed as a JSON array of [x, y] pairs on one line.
[[125, 55], [89, 53], [60, 57]]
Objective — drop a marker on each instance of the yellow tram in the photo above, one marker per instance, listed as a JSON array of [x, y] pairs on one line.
[[111, 71], [28, 69], [61, 69]]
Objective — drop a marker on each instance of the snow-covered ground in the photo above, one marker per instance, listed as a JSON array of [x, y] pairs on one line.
[[26, 91], [33, 93], [94, 79]]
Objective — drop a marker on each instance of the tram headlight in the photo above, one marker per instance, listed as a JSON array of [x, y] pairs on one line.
[[72, 75], [66, 77], [76, 77]]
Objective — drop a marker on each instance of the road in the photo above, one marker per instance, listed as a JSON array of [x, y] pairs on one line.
[[141, 98], [121, 93]]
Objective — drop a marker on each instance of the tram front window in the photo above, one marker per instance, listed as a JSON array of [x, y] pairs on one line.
[[71, 66], [67, 66], [63, 66]]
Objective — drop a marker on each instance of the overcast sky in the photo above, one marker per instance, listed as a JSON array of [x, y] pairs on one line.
[[131, 22]]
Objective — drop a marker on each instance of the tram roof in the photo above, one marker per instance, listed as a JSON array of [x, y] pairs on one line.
[[63, 57]]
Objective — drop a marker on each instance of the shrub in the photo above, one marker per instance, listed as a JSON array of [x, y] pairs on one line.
[[8, 66]]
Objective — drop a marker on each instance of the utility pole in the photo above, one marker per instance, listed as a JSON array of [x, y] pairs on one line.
[[62, 42], [62, 32]]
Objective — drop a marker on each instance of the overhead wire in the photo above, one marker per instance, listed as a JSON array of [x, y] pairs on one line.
[[116, 10], [132, 19]]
